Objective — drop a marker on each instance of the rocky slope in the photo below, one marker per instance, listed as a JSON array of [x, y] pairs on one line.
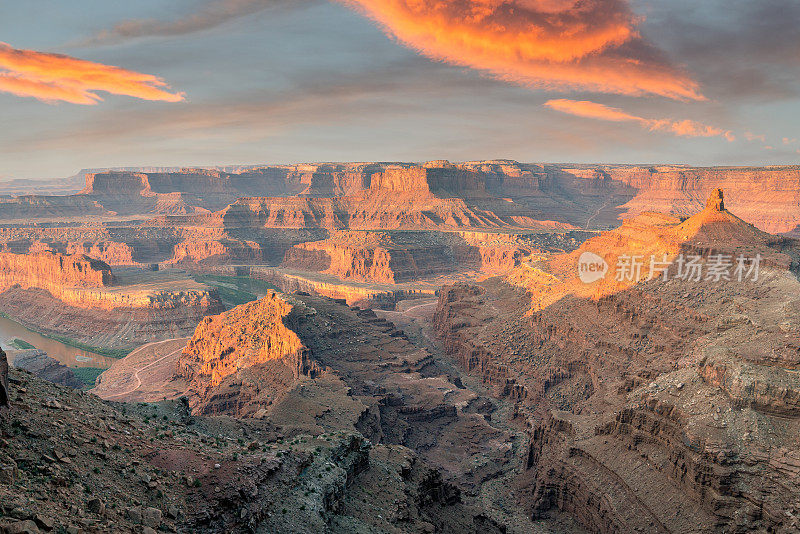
[[4, 396], [653, 405], [70, 462], [323, 365]]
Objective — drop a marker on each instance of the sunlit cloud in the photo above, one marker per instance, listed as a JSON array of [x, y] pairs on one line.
[[551, 44], [59, 78], [681, 128]]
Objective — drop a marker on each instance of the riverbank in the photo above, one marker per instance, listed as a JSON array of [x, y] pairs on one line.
[[70, 352]]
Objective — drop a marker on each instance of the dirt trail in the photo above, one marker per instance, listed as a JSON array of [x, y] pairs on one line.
[[145, 375]]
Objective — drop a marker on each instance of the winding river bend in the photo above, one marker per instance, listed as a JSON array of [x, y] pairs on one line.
[[69, 356]]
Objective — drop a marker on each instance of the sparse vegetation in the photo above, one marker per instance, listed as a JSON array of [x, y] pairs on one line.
[[21, 344], [87, 375], [235, 290]]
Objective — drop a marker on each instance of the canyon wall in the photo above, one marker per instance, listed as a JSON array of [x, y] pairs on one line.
[[430, 180], [653, 405], [52, 272], [374, 256], [79, 298], [492, 193]]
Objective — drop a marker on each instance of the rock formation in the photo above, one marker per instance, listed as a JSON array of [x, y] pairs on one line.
[[240, 339], [38, 363], [716, 202], [375, 256], [4, 391], [47, 270], [650, 401], [79, 297], [357, 371], [594, 196], [653, 404], [124, 473]]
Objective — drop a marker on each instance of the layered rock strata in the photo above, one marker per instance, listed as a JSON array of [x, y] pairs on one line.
[[475, 193], [653, 405]]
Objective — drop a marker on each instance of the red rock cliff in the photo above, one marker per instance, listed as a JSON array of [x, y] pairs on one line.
[[244, 337], [46, 270]]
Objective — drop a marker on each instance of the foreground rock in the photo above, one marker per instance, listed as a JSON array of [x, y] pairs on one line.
[[71, 462], [38, 363], [4, 393], [317, 363]]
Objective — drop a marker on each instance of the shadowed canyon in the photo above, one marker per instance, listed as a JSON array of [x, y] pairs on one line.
[[486, 347]]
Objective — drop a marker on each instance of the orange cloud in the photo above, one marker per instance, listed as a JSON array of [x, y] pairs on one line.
[[593, 110], [55, 77], [551, 44]]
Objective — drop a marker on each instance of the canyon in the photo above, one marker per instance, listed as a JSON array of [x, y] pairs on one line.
[[397, 347], [674, 398], [581, 195]]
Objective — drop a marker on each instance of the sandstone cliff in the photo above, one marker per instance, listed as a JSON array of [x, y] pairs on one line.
[[375, 256], [248, 336], [398, 257], [594, 196], [53, 272], [78, 297]]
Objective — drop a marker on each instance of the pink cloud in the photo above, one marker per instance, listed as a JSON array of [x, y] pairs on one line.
[[681, 128]]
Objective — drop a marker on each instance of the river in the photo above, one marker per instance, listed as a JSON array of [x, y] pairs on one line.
[[69, 356]]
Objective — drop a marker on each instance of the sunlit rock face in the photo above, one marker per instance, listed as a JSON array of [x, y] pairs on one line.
[[53, 271], [240, 339]]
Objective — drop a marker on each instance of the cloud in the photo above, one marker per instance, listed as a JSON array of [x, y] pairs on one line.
[[738, 49], [551, 44], [750, 136], [213, 14], [59, 78], [593, 110]]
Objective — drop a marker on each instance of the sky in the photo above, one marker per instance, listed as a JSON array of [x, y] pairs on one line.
[[101, 83]]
